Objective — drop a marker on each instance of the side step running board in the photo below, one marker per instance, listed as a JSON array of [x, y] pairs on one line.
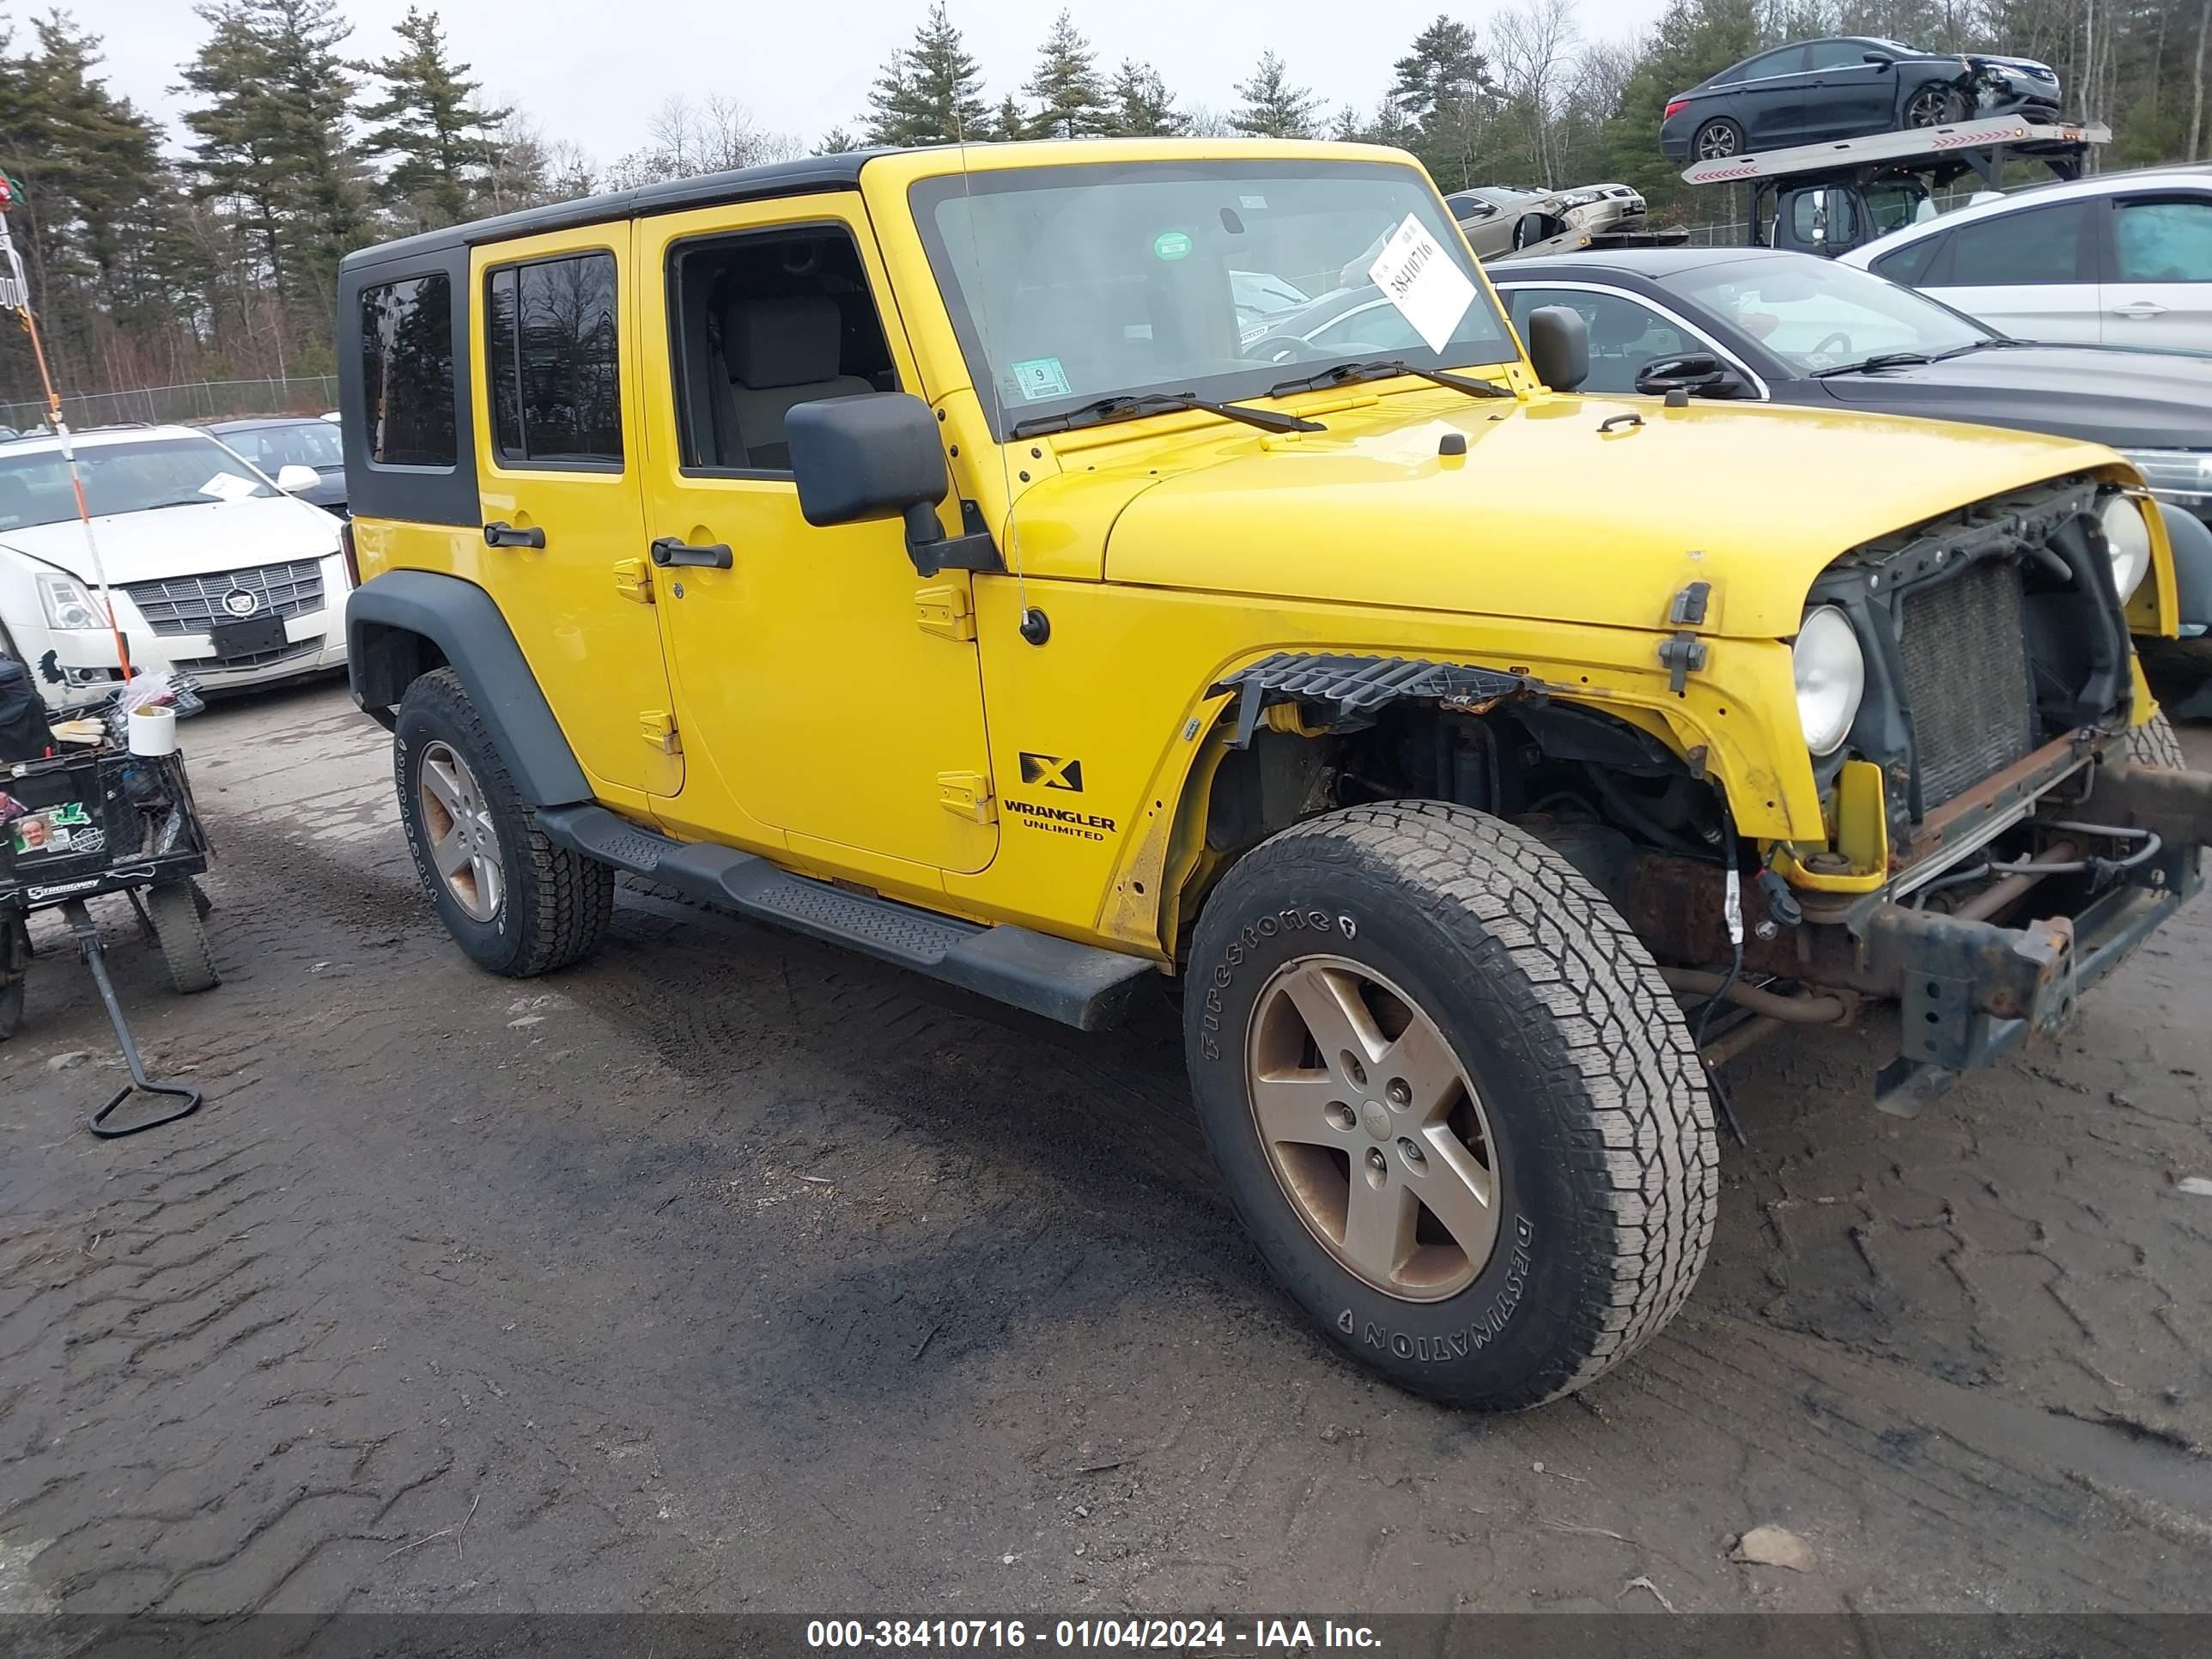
[[1078, 985]]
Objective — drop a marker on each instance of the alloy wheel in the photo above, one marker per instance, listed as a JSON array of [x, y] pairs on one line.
[[464, 841], [1716, 142], [1373, 1128]]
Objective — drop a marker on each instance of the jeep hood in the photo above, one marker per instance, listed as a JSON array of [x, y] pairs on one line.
[[199, 539], [1545, 516]]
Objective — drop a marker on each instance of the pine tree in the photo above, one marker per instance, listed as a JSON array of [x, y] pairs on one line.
[[428, 119], [1439, 95], [1071, 101], [1009, 123], [1273, 107], [932, 93], [836, 142], [273, 140], [1142, 106]]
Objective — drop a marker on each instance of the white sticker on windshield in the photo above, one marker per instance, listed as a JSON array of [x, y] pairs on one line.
[[1253, 203], [1418, 277], [228, 487], [1039, 376]]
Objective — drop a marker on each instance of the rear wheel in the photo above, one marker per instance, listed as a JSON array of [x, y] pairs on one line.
[[14, 972], [1717, 140], [174, 910], [518, 904], [1935, 106], [1452, 1100]]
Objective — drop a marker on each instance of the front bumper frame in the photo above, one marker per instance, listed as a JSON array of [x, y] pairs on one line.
[[1971, 993]]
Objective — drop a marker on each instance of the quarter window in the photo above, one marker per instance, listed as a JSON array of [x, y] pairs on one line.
[[407, 373], [2166, 241], [2042, 244], [1909, 262], [552, 364]]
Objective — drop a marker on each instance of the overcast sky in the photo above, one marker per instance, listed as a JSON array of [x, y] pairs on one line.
[[593, 72]]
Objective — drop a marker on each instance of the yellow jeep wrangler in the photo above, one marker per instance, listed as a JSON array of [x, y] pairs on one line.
[[985, 561]]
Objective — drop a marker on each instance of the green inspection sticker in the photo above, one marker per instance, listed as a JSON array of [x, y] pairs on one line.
[[1171, 245]]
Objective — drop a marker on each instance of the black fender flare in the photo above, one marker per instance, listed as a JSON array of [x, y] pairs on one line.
[[389, 621], [2192, 564]]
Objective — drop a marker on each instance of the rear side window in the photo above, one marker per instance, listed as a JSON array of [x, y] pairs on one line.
[[1908, 265], [551, 368], [407, 373], [2041, 245]]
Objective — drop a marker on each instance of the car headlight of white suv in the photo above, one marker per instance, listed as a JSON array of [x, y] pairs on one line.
[[2127, 534], [68, 606]]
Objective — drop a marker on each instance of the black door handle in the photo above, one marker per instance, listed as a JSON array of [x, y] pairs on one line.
[[500, 534], [668, 550]]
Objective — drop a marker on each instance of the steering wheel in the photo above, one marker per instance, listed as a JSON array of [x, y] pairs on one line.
[[1283, 348], [1838, 339]]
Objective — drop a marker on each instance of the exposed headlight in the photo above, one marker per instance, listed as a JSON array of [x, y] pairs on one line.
[[2129, 537], [68, 605], [2180, 477], [1831, 678]]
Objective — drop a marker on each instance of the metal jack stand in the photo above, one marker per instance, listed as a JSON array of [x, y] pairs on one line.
[[87, 938]]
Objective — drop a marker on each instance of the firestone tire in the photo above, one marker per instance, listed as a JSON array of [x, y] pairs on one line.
[[1597, 1124], [553, 905], [2155, 743]]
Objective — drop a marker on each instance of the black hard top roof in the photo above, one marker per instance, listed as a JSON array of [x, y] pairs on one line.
[[805, 177]]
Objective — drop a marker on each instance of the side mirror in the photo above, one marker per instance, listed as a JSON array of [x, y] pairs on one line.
[[294, 477], [877, 456], [1879, 60], [1559, 346], [1699, 373]]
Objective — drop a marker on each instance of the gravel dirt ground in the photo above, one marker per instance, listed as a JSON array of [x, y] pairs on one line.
[[729, 1272]]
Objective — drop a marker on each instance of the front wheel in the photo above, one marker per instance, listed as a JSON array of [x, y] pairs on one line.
[[1452, 1100], [1935, 106], [517, 903]]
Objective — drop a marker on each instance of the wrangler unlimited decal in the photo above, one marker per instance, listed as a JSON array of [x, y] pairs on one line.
[[1062, 820]]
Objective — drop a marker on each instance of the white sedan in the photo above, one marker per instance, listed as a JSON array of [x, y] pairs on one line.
[[215, 570], [2120, 259]]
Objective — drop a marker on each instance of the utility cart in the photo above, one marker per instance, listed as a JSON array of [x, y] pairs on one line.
[[83, 824], [1829, 199]]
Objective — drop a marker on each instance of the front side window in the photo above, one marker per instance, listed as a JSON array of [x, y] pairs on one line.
[[136, 477], [1821, 315], [407, 371], [1837, 54], [1067, 284], [2040, 245], [552, 364], [2166, 241], [1625, 336]]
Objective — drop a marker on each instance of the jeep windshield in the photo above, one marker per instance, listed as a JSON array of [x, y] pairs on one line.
[[1074, 284]]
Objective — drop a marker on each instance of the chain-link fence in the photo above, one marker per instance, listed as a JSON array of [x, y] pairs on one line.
[[198, 400]]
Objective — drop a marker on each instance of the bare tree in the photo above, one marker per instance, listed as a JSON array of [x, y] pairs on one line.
[[1532, 44]]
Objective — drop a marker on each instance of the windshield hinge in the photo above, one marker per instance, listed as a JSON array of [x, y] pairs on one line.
[[633, 582], [658, 727], [945, 612], [1685, 653]]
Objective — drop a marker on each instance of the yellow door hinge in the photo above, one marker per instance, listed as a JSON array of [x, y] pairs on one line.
[[658, 727], [634, 580], [945, 612], [968, 795]]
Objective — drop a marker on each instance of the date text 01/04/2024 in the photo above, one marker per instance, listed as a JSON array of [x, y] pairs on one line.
[[1171, 1635]]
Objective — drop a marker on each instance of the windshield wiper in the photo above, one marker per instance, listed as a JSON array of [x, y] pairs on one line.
[[1879, 360], [1128, 408], [1352, 373]]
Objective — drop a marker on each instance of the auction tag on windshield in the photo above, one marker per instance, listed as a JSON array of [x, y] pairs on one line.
[[228, 487], [1039, 376], [1418, 277]]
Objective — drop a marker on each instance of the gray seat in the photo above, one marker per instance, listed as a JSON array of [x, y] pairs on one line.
[[778, 353]]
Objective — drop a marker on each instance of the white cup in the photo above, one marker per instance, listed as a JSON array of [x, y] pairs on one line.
[[154, 731]]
